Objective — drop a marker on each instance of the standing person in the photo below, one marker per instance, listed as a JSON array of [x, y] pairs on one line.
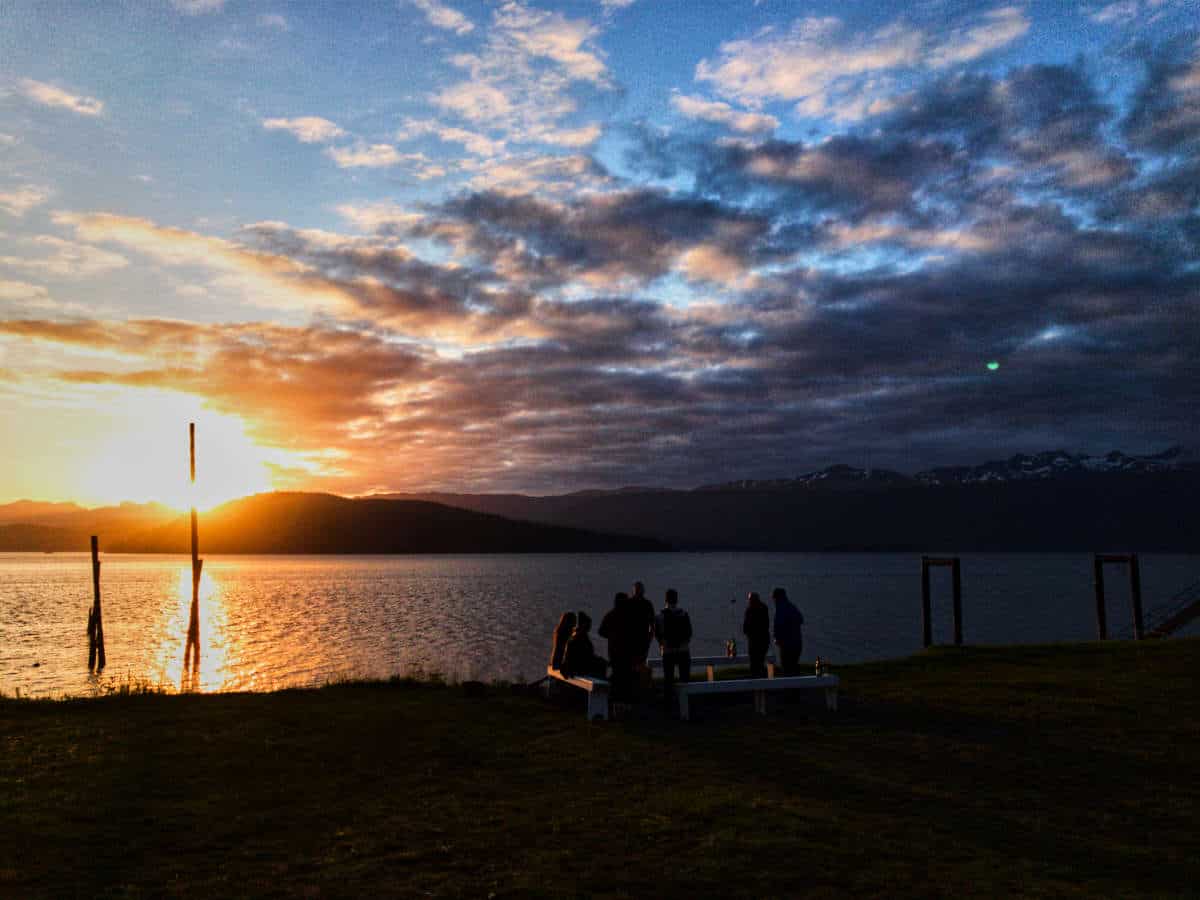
[[789, 632], [621, 650], [756, 626], [673, 628], [579, 657], [642, 621], [562, 634]]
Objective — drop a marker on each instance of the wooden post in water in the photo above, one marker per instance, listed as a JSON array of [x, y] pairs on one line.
[[193, 635], [956, 577], [1101, 614], [926, 606], [1135, 591], [96, 657]]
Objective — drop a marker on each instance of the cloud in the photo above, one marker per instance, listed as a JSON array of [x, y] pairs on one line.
[[375, 216], [362, 155], [20, 290], [58, 258], [475, 143], [307, 129], [723, 114], [520, 83], [49, 95], [198, 7], [999, 29], [21, 200], [826, 70], [273, 21], [442, 16]]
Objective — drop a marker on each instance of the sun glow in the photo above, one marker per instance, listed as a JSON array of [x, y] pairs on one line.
[[144, 455]]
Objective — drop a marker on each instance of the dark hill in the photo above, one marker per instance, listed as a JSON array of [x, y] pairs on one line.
[[1088, 511], [323, 523]]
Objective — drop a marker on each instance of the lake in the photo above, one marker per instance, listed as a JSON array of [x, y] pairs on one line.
[[269, 622]]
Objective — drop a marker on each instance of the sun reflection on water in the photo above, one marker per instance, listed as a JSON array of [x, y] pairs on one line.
[[214, 673]]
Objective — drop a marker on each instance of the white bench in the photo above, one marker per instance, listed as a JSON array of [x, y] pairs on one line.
[[717, 662], [759, 687], [597, 691]]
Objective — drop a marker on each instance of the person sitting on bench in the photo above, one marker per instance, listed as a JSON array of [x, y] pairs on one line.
[[562, 634], [580, 658]]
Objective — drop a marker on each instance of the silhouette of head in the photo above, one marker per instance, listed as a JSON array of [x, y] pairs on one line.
[[639, 589], [779, 594], [583, 623], [753, 599], [620, 599], [672, 597], [567, 622]]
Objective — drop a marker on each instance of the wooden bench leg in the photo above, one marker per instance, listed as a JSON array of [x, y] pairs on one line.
[[711, 674], [597, 704], [770, 670], [683, 705], [760, 702], [831, 699]]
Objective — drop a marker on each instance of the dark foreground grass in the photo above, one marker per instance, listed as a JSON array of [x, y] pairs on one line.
[[1045, 771]]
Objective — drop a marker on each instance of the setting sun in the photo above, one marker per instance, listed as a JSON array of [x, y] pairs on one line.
[[144, 456]]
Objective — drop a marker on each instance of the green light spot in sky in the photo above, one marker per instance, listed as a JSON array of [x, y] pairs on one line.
[[993, 366]]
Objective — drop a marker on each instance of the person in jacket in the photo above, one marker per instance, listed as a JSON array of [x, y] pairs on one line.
[[580, 658], [562, 634], [756, 626], [789, 632], [615, 628], [673, 628]]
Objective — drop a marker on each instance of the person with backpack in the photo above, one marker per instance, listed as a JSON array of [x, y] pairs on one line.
[[756, 626], [789, 632], [673, 628]]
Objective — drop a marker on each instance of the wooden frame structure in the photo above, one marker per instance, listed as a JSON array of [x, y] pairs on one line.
[[926, 605], [1135, 591]]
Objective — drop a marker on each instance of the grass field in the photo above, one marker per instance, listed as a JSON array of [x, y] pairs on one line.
[[1036, 771]]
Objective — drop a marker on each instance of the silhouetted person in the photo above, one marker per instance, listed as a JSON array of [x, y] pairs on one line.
[[789, 632], [622, 647], [562, 634], [673, 628], [642, 624], [579, 657], [756, 626]]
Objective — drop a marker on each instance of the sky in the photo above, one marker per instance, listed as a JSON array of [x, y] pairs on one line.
[[515, 246]]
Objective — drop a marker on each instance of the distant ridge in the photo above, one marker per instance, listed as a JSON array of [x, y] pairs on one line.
[[324, 523]]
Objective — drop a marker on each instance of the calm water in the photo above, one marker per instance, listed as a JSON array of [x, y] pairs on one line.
[[278, 621]]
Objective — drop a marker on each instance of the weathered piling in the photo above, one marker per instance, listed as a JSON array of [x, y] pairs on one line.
[[926, 603], [193, 633], [1135, 590], [97, 659]]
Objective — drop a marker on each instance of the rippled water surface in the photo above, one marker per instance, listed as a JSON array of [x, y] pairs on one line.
[[279, 621]]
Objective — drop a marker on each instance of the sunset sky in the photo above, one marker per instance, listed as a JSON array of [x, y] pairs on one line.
[[477, 246]]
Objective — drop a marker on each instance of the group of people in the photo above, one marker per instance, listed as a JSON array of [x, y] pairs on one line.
[[632, 625]]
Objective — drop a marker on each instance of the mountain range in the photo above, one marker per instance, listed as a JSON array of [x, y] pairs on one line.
[[1039, 502]]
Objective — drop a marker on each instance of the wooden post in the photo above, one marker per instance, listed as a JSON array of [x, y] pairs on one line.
[[1135, 589], [96, 656], [956, 576], [193, 635], [926, 606], [1101, 615]]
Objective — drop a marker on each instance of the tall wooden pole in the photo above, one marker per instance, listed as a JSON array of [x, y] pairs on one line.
[[1101, 615], [96, 657], [1135, 589], [956, 576], [193, 635], [926, 605]]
